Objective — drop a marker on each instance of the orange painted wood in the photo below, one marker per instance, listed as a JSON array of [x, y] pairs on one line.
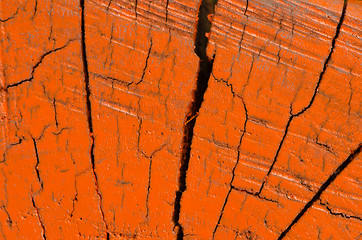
[[94, 104]]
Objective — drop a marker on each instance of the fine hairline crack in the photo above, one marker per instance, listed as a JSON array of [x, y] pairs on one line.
[[37, 164], [89, 114], [39, 218], [11, 17], [37, 64], [203, 27]]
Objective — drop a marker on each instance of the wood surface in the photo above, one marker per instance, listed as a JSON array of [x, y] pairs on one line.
[[112, 127]]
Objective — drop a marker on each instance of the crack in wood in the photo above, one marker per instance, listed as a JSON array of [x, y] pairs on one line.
[[38, 216], [336, 213], [320, 78], [231, 187], [206, 8], [324, 186], [42, 57], [89, 114], [146, 64], [37, 164], [11, 17]]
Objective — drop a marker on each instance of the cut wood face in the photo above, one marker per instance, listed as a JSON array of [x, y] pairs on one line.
[[187, 119]]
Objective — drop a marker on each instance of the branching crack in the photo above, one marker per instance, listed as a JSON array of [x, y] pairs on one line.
[[38, 64], [89, 114], [203, 28], [231, 187], [324, 186], [206, 9], [294, 115]]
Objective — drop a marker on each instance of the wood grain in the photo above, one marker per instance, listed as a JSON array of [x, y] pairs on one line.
[[113, 128]]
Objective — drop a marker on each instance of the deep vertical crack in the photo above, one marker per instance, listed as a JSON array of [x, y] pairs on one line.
[[203, 28], [320, 78], [325, 185], [89, 113]]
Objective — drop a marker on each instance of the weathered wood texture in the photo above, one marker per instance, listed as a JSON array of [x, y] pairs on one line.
[[95, 98]]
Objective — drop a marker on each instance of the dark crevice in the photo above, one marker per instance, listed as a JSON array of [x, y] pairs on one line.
[[89, 113], [203, 28], [205, 68], [320, 78], [325, 185], [39, 218]]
